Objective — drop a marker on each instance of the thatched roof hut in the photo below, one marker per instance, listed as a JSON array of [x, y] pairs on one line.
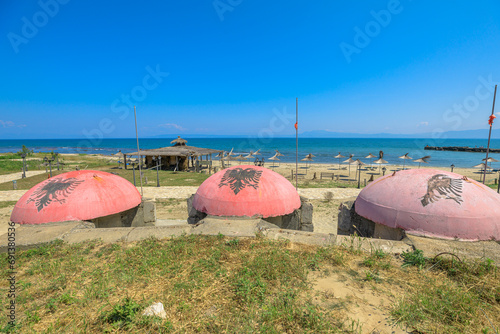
[[176, 156], [179, 141]]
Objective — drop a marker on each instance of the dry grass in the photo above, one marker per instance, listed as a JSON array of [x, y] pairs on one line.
[[223, 285]]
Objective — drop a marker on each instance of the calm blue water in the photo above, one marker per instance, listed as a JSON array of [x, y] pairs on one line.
[[323, 148]]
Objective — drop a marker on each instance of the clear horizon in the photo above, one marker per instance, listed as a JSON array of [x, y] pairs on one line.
[[234, 67]]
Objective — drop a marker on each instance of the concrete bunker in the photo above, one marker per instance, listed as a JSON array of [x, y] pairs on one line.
[[423, 202], [105, 199], [251, 192]]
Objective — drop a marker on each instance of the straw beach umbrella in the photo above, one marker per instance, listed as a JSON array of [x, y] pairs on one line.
[[119, 155], [252, 153], [422, 160], [359, 163], [307, 159], [274, 158], [490, 160], [370, 156], [278, 154], [350, 161], [483, 166], [339, 156], [405, 157], [379, 162]]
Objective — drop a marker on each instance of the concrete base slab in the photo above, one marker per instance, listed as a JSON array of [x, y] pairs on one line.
[[158, 232], [310, 238], [371, 244], [463, 249], [30, 236], [231, 227], [169, 222], [112, 234]]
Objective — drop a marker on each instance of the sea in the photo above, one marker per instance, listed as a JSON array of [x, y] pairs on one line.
[[324, 149]]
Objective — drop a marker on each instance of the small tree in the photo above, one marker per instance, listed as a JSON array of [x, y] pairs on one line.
[[25, 150]]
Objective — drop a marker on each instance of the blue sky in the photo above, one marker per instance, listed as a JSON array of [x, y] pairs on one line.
[[73, 69]]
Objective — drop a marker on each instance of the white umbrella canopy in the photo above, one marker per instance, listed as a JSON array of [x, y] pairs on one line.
[[405, 157], [422, 160]]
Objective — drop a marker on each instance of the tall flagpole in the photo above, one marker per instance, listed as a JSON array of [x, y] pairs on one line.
[[296, 143], [490, 121], [138, 150]]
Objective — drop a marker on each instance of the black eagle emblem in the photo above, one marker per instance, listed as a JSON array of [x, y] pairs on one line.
[[441, 186], [53, 190], [239, 178]]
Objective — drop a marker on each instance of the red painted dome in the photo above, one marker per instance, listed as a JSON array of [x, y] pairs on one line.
[[435, 203], [78, 195], [246, 191]]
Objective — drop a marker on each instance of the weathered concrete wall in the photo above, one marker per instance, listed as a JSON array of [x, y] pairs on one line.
[[194, 216], [300, 219], [349, 222], [142, 215]]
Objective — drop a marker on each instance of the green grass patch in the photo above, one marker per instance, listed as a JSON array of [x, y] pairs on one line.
[[207, 284], [5, 204]]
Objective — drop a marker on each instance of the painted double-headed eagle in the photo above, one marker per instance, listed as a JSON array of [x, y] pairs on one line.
[[442, 186], [53, 190], [239, 178]]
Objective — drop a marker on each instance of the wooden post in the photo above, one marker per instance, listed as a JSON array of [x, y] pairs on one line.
[[297, 142], [125, 160]]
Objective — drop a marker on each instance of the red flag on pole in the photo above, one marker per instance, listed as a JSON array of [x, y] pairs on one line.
[[490, 120], [296, 126]]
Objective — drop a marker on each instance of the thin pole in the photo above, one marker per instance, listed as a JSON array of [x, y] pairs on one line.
[[359, 173], [489, 136], [296, 143], [138, 150]]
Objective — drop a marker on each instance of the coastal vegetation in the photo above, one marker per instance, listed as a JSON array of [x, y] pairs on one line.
[[216, 284]]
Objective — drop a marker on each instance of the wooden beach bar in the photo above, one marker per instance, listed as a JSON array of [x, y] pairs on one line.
[[175, 157]]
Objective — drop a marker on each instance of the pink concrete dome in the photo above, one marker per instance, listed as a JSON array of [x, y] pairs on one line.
[[434, 203], [246, 191], [78, 195]]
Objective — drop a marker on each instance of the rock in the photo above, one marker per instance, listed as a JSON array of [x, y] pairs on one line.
[[155, 310]]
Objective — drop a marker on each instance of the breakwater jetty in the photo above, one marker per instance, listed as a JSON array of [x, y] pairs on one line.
[[461, 149]]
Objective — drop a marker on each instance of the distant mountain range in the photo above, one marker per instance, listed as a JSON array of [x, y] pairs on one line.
[[465, 134]]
